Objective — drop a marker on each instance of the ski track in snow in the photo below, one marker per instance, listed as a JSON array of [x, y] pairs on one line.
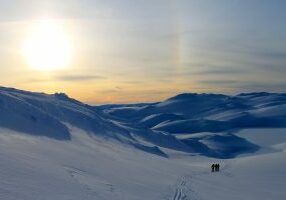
[[183, 187], [77, 174], [89, 183], [179, 194]]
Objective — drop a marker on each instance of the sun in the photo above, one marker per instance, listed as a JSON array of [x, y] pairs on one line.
[[48, 46]]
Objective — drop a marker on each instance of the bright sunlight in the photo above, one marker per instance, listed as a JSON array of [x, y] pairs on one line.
[[48, 46]]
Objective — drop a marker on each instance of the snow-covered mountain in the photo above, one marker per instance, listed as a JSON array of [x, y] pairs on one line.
[[149, 127], [187, 114], [139, 151], [220, 111]]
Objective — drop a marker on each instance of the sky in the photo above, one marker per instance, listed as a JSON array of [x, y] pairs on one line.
[[127, 51]]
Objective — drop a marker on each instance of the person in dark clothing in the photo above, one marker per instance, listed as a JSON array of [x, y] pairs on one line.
[[216, 167]]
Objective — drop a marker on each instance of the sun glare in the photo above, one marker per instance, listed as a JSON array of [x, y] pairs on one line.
[[48, 47]]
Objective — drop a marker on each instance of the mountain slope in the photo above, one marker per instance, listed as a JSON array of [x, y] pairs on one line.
[[153, 128], [54, 147]]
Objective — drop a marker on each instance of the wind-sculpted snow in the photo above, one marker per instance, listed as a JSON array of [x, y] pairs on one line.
[[155, 119], [227, 145], [47, 115], [55, 147], [20, 115], [43, 114], [93, 168], [212, 113], [150, 127], [192, 126]]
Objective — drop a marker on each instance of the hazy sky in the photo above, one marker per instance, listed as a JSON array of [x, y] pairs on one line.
[[147, 50]]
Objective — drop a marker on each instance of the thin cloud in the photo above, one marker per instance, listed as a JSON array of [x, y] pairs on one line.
[[220, 71], [118, 88], [132, 82], [273, 55], [219, 82], [264, 86], [80, 77]]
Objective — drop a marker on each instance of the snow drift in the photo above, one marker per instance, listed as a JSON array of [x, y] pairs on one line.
[[54, 147], [153, 127]]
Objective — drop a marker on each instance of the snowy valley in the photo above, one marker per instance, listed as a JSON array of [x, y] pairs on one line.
[[55, 147]]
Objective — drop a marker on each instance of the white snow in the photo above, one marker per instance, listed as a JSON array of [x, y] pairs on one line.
[[109, 157], [92, 168]]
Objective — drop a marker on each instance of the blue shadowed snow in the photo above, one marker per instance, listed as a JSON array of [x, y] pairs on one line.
[[149, 127]]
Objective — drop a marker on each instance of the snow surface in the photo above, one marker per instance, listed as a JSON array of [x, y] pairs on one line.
[[54, 147], [90, 168]]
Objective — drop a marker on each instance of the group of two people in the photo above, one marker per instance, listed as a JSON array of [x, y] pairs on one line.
[[215, 167]]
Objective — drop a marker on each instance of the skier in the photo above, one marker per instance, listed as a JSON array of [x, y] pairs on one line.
[[216, 167], [213, 167]]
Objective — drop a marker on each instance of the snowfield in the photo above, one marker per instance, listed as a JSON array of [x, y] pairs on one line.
[[89, 168], [54, 147]]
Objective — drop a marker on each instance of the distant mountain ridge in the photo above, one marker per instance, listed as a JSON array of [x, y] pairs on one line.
[[150, 127]]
